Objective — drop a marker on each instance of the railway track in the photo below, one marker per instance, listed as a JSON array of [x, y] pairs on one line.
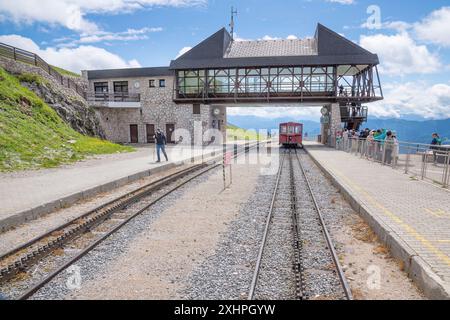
[[297, 259], [99, 223]]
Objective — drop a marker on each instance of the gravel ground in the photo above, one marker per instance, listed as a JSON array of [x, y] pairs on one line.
[[34, 228], [227, 273], [94, 262], [276, 279], [321, 281], [358, 248]]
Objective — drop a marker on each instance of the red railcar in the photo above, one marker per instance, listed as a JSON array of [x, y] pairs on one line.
[[291, 134]]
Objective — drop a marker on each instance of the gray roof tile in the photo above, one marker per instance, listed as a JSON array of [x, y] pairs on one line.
[[272, 48]]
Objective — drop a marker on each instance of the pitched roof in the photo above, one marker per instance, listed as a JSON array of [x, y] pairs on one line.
[[326, 48]]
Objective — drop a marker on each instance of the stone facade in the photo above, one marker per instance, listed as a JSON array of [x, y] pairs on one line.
[[328, 130], [156, 107]]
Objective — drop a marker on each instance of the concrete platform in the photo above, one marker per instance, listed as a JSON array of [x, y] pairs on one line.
[[411, 217], [27, 195]]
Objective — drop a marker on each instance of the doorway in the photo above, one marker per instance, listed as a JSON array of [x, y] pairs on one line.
[[134, 133], [170, 128], [150, 133]]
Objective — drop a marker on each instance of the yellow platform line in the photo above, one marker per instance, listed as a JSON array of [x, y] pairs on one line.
[[410, 230]]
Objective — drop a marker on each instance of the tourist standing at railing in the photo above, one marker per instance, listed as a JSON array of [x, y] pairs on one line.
[[345, 139], [435, 143], [370, 144], [396, 147], [389, 148], [380, 136]]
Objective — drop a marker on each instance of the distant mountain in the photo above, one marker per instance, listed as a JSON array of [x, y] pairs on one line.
[[407, 130], [257, 123], [413, 131]]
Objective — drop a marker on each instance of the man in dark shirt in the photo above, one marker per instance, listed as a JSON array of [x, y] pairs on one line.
[[160, 144]]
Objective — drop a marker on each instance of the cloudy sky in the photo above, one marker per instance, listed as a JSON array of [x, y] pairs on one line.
[[412, 38]]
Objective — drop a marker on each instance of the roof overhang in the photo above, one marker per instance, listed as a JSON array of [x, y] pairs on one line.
[[332, 49]]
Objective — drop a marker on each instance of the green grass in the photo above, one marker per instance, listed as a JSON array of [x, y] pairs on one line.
[[33, 136], [66, 72], [242, 134]]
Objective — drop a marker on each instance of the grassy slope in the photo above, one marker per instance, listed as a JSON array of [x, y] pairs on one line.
[[65, 72], [241, 134], [32, 135]]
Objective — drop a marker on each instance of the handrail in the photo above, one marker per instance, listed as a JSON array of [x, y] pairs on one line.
[[113, 97], [28, 57], [428, 161]]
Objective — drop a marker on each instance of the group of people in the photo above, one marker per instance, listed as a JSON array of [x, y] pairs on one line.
[[380, 144]]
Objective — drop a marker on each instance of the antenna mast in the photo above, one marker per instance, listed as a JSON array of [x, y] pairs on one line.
[[233, 14]]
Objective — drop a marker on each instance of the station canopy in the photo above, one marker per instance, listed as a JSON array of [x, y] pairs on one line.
[[325, 68]]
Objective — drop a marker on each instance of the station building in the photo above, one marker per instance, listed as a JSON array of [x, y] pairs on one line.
[[195, 90]]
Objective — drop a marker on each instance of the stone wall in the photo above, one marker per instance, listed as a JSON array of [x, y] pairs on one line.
[[157, 108]]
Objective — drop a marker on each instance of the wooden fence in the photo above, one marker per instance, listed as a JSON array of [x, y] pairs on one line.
[[33, 59]]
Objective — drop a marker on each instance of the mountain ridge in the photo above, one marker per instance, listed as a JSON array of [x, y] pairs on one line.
[[407, 130]]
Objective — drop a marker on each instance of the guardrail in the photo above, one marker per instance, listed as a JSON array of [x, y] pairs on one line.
[[113, 97], [31, 58], [429, 162]]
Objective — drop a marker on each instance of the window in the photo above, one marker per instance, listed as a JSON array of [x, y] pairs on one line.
[[196, 108], [152, 83], [101, 87], [162, 83], [121, 86]]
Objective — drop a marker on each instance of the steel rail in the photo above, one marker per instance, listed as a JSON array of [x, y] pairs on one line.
[[298, 266], [85, 251], [265, 234], [343, 280], [33, 255]]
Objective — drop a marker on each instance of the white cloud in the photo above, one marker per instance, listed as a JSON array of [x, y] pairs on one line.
[[103, 36], [268, 38], [294, 111], [73, 59], [416, 98], [399, 26], [289, 37], [342, 1], [71, 14], [400, 54], [183, 51], [435, 27]]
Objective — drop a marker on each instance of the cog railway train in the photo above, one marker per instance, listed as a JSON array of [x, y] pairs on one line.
[[291, 135]]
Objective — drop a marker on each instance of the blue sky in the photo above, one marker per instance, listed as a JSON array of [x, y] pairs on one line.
[[411, 37]]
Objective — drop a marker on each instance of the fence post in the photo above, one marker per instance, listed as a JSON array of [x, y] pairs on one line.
[[424, 161], [408, 156], [35, 59], [14, 53], [446, 170]]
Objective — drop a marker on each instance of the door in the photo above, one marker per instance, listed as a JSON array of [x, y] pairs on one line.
[[170, 128], [134, 133], [150, 133]]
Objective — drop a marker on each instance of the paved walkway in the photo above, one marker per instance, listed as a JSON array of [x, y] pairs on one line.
[[30, 194], [412, 217]]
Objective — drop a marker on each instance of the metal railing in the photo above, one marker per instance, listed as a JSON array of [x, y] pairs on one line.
[[113, 97], [427, 162], [31, 58]]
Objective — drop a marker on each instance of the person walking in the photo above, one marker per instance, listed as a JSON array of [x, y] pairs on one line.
[[161, 144]]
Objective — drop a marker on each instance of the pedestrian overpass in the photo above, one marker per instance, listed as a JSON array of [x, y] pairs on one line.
[[326, 70]]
